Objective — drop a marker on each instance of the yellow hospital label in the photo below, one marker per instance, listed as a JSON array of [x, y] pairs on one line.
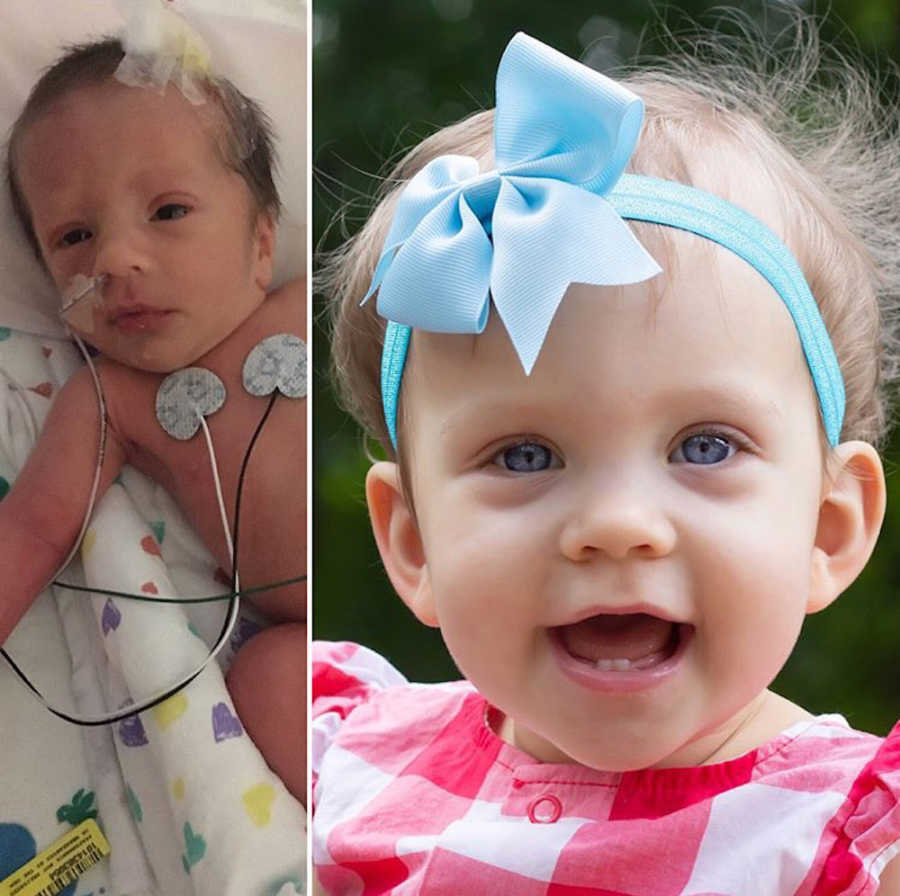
[[59, 865]]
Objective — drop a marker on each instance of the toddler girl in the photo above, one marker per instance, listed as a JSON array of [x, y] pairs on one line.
[[164, 200], [617, 491]]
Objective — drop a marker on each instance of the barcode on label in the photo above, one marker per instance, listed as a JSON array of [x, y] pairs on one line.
[[75, 866]]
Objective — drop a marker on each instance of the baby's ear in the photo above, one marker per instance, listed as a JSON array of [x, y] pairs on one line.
[[397, 536], [850, 517], [264, 239]]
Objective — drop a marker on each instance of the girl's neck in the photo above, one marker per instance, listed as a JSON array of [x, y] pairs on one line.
[[763, 719]]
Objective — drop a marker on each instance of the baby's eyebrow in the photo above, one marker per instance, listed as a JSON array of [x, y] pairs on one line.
[[157, 174], [716, 402], [740, 400], [525, 415]]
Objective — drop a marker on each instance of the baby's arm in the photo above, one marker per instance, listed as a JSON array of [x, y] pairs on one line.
[[42, 514]]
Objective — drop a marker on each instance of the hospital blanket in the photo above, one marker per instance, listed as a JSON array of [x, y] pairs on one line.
[[180, 791]]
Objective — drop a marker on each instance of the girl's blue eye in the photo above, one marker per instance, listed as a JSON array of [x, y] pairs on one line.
[[526, 457], [703, 448], [74, 236], [170, 211]]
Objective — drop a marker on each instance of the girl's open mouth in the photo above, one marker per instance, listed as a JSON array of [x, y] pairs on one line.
[[627, 651]]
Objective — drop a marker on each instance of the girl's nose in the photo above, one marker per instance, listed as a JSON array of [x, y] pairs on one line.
[[619, 523]]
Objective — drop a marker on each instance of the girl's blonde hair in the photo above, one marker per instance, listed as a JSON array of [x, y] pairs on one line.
[[804, 119]]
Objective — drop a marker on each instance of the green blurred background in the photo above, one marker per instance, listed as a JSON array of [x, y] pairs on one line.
[[386, 75]]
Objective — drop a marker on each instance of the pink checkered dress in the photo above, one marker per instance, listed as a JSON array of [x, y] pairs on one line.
[[414, 793]]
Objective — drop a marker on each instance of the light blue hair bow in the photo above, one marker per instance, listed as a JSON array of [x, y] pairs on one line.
[[552, 214]]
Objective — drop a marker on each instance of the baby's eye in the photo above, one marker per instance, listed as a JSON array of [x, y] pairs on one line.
[[74, 236], [170, 211], [526, 457], [704, 448]]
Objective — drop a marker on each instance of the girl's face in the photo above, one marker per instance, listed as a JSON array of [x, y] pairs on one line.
[[127, 182], [618, 548]]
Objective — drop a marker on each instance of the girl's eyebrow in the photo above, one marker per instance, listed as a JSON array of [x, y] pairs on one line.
[[492, 409], [727, 400], [736, 399]]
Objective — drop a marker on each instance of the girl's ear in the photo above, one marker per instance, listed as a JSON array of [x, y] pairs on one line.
[[850, 518], [399, 543]]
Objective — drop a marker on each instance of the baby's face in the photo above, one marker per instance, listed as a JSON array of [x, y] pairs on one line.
[[126, 182], [618, 547]]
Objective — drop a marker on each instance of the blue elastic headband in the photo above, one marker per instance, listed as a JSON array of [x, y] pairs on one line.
[[551, 214]]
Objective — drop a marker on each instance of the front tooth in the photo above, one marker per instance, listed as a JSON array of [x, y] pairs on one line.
[[610, 665]]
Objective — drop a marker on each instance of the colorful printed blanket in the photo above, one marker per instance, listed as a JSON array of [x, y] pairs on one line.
[[182, 794]]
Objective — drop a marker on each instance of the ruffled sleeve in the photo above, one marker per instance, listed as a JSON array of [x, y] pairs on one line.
[[869, 828], [344, 676]]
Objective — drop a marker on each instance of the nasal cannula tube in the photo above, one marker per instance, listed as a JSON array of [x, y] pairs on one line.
[[81, 316], [79, 287]]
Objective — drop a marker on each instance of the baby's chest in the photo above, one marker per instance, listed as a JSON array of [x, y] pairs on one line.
[[197, 443], [220, 449]]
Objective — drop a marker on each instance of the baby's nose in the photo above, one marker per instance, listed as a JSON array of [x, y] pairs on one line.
[[120, 254], [619, 521]]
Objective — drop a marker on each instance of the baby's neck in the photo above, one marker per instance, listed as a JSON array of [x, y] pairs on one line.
[[280, 311], [763, 719]]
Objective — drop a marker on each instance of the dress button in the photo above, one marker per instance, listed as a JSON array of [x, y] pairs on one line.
[[545, 809]]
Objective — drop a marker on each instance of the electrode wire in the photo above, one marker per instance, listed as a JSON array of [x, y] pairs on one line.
[[233, 598]]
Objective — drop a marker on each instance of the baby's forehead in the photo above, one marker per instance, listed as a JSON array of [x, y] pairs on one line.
[[748, 172], [112, 109], [709, 322], [87, 124]]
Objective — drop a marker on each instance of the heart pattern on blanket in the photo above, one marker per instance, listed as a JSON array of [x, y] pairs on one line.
[[45, 390], [132, 733], [148, 543], [111, 617], [194, 848], [169, 711], [258, 803], [225, 723], [278, 362], [149, 588]]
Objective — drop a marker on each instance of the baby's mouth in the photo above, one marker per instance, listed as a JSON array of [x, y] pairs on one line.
[[622, 642]]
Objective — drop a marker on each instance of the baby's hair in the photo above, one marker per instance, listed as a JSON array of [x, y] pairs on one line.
[[814, 128], [246, 141]]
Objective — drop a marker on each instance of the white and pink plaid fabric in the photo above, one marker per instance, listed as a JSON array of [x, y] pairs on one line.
[[414, 793]]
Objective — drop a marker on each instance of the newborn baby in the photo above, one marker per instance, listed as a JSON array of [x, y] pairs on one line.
[[170, 208]]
